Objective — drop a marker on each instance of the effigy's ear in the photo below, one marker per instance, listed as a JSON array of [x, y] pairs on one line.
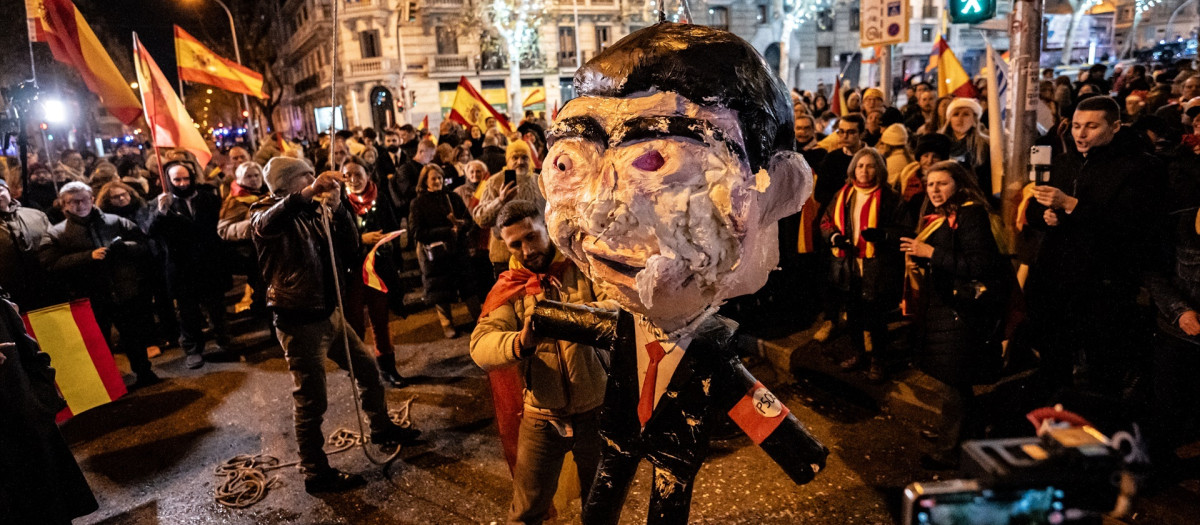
[[790, 184]]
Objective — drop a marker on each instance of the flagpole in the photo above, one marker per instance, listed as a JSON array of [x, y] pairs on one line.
[[138, 68], [994, 115]]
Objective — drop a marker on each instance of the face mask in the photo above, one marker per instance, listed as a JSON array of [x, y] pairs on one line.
[[183, 193]]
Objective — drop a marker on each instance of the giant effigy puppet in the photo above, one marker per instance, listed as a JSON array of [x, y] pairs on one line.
[[664, 182]]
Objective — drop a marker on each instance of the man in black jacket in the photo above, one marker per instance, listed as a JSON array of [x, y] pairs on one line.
[[289, 233], [185, 222], [1100, 220], [21, 274], [104, 258]]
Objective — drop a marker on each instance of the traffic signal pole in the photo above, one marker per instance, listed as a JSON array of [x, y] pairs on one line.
[[1025, 37]]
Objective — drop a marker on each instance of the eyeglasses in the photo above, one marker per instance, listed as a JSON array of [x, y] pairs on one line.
[[841, 131]]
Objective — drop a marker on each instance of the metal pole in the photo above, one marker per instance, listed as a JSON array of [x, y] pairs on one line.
[[403, 70], [578, 52], [1025, 28], [885, 72], [237, 55], [334, 63]]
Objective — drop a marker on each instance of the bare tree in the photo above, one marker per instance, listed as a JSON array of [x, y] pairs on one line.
[[793, 14], [518, 22], [1078, 9]]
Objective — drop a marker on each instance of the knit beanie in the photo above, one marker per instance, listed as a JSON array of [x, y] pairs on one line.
[[281, 171], [933, 142], [963, 102], [515, 147], [874, 92], [894, 135]]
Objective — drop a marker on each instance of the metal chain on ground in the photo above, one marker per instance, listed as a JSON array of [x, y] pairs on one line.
[[246, 481]]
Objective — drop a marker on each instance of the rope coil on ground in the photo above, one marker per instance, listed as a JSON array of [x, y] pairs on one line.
[[246, 481]]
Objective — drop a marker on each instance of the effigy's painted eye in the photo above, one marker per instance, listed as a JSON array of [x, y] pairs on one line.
[[563, 162], [650, 161]]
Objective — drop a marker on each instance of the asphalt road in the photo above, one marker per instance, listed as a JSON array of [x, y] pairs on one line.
[[150, 456]]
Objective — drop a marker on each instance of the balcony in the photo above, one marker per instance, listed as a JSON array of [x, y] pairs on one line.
[[318, 29], [366, 7], [445, 6], [451, 65], [368, 68]]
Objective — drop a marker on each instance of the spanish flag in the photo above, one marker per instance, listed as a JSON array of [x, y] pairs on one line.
[[370, 276], [73, 43], [199, 64], [953, 80], [536, 95], [35, 17], [87, 375], [470, 109], [168, 118]]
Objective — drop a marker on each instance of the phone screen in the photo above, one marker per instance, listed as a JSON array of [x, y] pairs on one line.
[[510, 176], [977, 506]]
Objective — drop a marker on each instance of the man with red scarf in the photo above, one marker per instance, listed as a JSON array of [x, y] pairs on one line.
[[564, 382], [233, 226]]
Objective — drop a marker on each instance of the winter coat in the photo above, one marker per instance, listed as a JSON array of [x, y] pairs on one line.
[[881, 276], [39, 479], [233, 223], [66, 252], [293, 252], [1107, 238], [21, 273], [489, 206], [958, 331], [444, 270], [493, 157], [195, 256], [561, 378], [1174, 284]]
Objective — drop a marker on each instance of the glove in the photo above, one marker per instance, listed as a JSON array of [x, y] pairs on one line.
[[843, 243]]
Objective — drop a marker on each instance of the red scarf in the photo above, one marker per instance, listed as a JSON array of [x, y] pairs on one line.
[[512, 283], [869, 218], [362, 202], [237, 190]]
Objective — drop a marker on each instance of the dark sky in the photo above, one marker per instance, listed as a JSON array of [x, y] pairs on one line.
[[114, 21]]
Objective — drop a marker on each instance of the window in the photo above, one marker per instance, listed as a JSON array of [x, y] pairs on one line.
[[601, 38], [566, 46], [854, 19], [825, 20], [368, 42], [566, 86], [926, 34], [447, 41], [762, 13], [929, 9], [718, 17], [824, 56]]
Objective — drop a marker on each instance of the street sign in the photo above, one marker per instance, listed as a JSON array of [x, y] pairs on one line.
[[971, 11], [882, 22]]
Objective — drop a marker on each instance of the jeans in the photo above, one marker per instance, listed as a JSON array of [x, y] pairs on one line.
[[306, 345], [540, 451]]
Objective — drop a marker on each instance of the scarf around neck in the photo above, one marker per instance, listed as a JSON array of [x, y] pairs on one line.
[[363, 202]]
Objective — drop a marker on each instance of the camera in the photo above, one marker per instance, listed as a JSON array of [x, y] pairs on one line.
[[1066, 476], [1039, 165]]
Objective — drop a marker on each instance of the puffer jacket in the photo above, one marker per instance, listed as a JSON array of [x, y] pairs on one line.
[[293, 253], [561, 378], [66, 252]]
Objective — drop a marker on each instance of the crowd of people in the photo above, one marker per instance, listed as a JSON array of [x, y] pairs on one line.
[[903, 223]]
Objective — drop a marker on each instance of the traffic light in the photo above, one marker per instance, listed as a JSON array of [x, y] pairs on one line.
[[971, 11]]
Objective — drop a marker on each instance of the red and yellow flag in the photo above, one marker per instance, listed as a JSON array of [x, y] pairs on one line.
[[35, 17], [370, 276], [424, 125], [87, 375], [470, 109], [73, 43], [953, 80], [168, 118], [198, 63], [536, 95]]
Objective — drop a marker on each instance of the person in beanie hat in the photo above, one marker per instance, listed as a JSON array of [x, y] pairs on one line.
[[496, 193], [931, 149], [893, 146], [303, 278], [873, 100], [969, 143]]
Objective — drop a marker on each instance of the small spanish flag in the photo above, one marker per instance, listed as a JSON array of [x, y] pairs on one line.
[[370, 276], [87, 375]]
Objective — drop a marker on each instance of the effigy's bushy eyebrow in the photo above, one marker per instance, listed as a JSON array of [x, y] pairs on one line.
[[642, 128], [583, 127]]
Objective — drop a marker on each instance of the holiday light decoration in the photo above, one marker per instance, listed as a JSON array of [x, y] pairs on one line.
[[518, 22]]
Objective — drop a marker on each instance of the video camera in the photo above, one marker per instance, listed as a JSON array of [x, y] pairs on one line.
[[1066, 476]]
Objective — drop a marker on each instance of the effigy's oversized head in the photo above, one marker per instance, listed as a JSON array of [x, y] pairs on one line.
[[666, 176]]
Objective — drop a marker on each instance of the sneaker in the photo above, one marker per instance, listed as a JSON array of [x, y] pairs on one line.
[[194, 361], [823, 333], [395, 435], [332, 480]]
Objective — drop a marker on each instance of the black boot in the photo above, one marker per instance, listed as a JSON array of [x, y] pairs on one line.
[[332, 480], [387, 370]]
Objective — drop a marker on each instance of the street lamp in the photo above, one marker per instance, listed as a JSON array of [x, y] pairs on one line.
[[55, 111], [237, 55]]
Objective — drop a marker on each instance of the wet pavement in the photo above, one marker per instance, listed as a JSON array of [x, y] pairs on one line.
[[150, 456]]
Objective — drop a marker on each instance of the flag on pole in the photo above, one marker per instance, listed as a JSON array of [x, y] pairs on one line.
[[74, 44], [169, 122], [198, 63], [35, 17], [424, 124], [838, 103], [995, 117], [953, 80], [554, 112], [86, 373], [470, 109]]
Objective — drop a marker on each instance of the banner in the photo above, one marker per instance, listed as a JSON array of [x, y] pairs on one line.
[[198, 63], [86, 373]]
